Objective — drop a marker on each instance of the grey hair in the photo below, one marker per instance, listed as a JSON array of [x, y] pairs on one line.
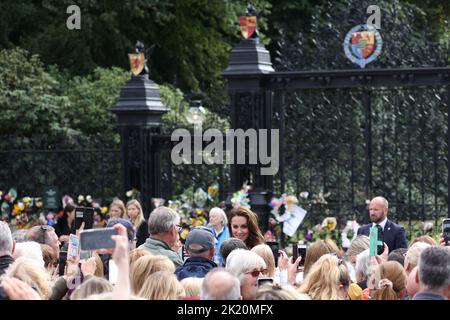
[[363, 266], [31, 250], [222, 213], [230, 290], [6, 242], [162, 219], [20, 235], [434, 267], [240, 261]]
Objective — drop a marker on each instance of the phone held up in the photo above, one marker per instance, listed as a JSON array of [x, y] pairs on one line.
[[299, 250], [86, 215], [263, 280], [275, 247], [94, 239], [446, 230]]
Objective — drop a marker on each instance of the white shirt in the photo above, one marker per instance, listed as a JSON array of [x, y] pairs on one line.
[[382, 223]]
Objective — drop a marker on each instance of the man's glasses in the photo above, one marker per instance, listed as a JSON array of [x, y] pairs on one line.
[[255, 273]]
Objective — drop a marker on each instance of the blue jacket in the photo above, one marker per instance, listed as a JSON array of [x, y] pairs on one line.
[[394, 235], [221, 237], [195, 267]]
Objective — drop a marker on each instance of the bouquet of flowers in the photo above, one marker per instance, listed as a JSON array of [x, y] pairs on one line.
[[21, 213], [240, 198]]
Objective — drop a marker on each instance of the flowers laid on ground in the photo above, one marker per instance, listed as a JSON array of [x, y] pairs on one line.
[[21, 212], [193, 207]]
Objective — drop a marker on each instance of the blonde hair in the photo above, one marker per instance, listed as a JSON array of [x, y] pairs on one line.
[[358, 245], [99, 270], [109, 296], [48, 254], [426, 239], [137, 253], [119, 203], [145, 266], [413, 254], [393, 271], [269, 292], [192, 286], [324, 279], [317, 250], [33, 273], [93, 285], [140, 217], [264, 251], [162, 285]]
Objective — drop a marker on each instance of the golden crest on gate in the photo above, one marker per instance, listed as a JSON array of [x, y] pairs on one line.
[[137, 62]]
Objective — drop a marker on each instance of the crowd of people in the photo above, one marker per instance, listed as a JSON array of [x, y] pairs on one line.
[[226, 260]]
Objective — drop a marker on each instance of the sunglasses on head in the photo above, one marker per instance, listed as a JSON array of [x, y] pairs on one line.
[[44, 229]]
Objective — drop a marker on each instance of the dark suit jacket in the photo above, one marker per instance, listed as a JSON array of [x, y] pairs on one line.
[[394, 235]]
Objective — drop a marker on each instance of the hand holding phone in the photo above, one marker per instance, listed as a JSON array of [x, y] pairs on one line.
[[299, 250], [275, 247], [97, 239], [73, 250]]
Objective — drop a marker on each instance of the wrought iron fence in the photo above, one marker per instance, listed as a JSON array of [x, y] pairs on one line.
[[85, 165]]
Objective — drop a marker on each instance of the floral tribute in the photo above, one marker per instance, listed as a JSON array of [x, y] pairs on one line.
[[21, 212]]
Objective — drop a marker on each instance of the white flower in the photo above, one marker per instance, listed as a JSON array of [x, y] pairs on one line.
[[367, 201], [129, 193], [304, 194], [80, 198], [89, 199]]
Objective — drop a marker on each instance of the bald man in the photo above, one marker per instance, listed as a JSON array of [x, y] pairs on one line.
[[220, 284], [393, 234]]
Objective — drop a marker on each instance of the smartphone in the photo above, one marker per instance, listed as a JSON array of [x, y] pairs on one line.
[[263, 281], [94, 239], [84, 255], [74, 247], [299, 250], [446, 231], [275, 247], [86, 215], [88, 218], [79, 214], [62, 262]]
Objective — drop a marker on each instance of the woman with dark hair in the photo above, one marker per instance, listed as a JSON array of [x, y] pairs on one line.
[[243, 224], [66, 223]]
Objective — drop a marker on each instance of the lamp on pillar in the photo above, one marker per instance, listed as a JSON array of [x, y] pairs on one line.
[[250, 109], [196, 113], [139, 112]]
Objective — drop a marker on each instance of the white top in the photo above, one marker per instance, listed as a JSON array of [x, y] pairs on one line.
[[382, 223]]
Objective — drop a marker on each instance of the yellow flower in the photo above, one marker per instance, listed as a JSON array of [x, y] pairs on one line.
[[330, 223], [21, 206], [26, 200], [104, 210], [184, 233]]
